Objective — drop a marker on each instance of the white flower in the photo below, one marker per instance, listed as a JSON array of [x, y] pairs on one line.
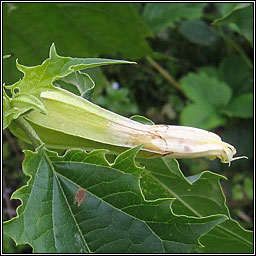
[[190, 142]]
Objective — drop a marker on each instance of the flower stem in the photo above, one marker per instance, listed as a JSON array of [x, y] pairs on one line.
[[29, 131]]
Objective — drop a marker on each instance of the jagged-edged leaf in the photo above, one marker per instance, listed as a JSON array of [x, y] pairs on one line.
[[199, 195], [39, 78], [192, 194], [112, 218], [26, 92]]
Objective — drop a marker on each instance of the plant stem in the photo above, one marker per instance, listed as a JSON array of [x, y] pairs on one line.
[[29, 131], [164, 73]]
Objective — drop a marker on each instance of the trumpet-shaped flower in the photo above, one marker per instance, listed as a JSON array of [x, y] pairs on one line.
[[73, 115]]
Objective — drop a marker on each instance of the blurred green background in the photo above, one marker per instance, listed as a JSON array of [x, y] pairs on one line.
[[194, 67]]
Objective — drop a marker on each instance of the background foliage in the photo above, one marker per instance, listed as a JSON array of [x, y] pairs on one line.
[[193, 69]]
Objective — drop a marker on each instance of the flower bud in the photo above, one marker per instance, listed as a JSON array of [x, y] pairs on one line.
[[73, 115]]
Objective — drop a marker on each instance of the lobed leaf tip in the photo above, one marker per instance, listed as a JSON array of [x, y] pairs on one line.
[[53, 52], [131, 151], [21, 67], [17, 62]]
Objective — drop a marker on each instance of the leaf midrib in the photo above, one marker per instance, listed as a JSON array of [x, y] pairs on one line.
[[66, 201]]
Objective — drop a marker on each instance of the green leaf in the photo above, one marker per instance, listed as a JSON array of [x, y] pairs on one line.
[[198, 32], [79, 83], [229, 237], [192, 194], [201, 88], [210, 97], [99, 79], [54, 68], [210, 71], [78, 29], [225, 8], [201, 115], [241, 106], [113, 218], [161, 15], [240, 19], [198, 195]]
